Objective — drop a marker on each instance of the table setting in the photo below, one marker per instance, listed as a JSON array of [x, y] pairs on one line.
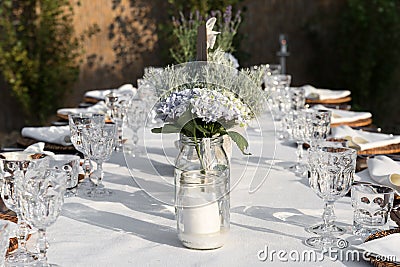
[[347, 117], [326, 96], [203, 164]]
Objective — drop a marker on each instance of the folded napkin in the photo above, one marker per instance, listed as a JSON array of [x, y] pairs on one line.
[[324, 94], [385, 171], [343, 116], [384, 246], [99, 107], [364, 140], [54, 134], [28, 153], [101, 94]]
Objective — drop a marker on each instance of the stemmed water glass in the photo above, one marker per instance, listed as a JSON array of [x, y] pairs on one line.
[[308, 126], [277, 86], [8, 169], [78, 122], [300, 134], [296, 102], [321, 125], [98, 143], [41, 195], [117, 106], [331, 176], [135, 119]]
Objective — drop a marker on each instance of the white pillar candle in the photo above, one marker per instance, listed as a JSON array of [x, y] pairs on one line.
[[204, 219]]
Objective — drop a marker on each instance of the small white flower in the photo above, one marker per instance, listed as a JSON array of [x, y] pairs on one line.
[[208, 105]]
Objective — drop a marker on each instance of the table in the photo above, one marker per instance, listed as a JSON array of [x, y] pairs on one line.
[[136, 226]]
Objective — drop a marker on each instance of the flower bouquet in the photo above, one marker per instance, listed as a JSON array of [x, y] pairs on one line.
[[204, 113]]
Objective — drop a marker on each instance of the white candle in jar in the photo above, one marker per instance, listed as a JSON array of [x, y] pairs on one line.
[[200, 219]]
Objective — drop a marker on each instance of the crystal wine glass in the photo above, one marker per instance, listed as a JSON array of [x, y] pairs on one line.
[[98, 143], [41, 194], [331, 176], [309, 126], [135, 119], [8, 169], [320, 125], [299, 133], [78, 122], [117, 106]]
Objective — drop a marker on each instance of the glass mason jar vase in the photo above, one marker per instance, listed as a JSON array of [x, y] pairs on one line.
[[201, 154], [202, 209]]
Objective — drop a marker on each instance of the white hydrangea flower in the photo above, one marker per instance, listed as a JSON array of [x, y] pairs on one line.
[[209, 105]]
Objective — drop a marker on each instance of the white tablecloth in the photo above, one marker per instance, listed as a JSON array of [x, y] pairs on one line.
[[136, 226]]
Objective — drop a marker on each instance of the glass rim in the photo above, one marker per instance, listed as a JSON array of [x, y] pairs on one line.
[[386, 189], [21, 156], [65, 157], [85, 114]]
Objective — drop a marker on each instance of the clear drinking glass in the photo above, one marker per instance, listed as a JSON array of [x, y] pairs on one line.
[[331, 176], [147, 93], [117, 105], [277, 88], [309, 126], [296, 102], [8, 170], [320, 125], [98, 143], [372, 205], [334, 228], [271, 69], [135, 119], [300, 134], [70, 165], [297, 98], [41, 193], [78, 122]]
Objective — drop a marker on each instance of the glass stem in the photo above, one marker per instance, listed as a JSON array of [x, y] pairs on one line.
[[299, 152], [119, 142], [100, 173], [86, 166], [43, 245], [22, 232], [328, 216]]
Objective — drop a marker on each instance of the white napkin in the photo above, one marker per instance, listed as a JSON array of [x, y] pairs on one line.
[[385, 246], [101, 94], [324, 94], [54, 134], [99, 107], [343, 116], [385, 171], [37, 148], [364, 140]]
